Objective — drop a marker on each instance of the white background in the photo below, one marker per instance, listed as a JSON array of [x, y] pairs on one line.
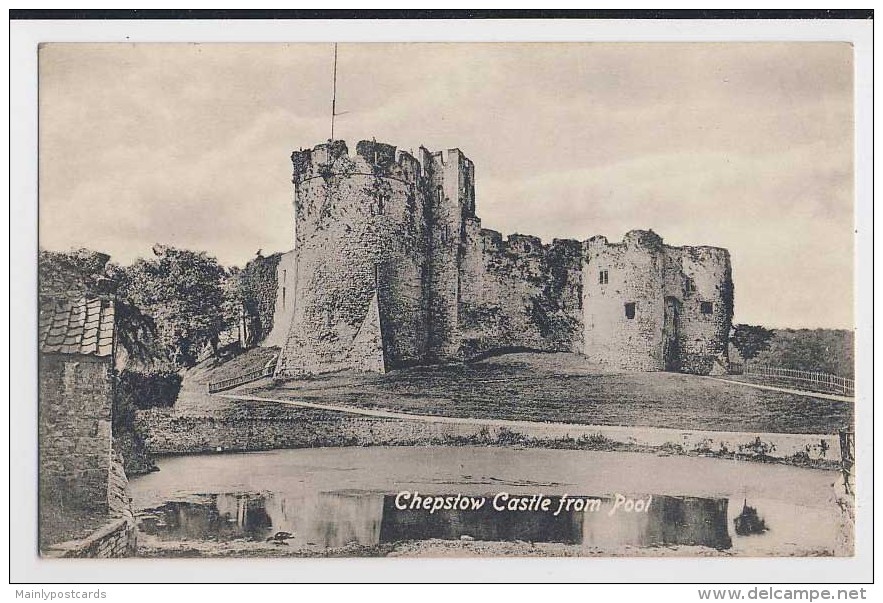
[[25, 565]]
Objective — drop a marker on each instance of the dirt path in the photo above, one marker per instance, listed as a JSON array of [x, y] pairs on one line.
[[796, 392], [783, 443]]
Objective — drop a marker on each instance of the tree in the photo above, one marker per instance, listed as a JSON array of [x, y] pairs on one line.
[[821, 350], [87, 273], [182, 291], [750, 340], [75, 273]]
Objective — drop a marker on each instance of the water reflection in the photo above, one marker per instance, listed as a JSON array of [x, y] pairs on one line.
[[332, 519], [211, 517]]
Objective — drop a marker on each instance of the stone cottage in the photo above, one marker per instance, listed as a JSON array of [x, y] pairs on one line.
[[79, 475]]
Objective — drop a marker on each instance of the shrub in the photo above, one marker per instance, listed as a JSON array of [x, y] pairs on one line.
[[595, 440], [506, 436], [757, 448], [153, 389]]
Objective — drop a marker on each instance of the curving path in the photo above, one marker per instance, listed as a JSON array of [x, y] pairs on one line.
[[797, 392]]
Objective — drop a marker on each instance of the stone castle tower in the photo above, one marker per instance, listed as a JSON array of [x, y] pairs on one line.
[[391, 268], [650, 306]]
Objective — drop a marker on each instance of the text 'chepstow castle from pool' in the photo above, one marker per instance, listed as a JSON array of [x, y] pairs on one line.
[[391, 268]]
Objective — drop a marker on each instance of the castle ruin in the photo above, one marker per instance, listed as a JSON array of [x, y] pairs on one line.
[[392, 268]]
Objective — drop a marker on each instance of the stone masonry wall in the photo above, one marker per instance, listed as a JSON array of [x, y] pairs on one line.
[[168, 433], [704, 333], [259, 286], [286, 279], [76, 402], [634, 275], [519, 293], [359, 233], [119, 499], [380, 224], [450, 201], [683, 305], [117, 538]]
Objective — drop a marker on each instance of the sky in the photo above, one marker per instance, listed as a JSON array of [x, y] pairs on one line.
[[747, 146]]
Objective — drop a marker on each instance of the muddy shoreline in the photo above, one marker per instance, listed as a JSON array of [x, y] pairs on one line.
[[434, 548]]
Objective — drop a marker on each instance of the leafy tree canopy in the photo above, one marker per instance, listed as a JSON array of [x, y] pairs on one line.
[[75, 273], [183, 291], [820, 350], [83, 272], [750, 340]]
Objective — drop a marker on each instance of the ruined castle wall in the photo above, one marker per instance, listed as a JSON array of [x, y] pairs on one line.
[[259, 287], [286, 278], [391, 267], [634, 275], [519, 293], [707, 309], [359, 232], [564, 292], [401, 236], [450, 200], [471, 267]]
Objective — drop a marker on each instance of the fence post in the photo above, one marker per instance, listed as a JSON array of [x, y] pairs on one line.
[[847, 460]]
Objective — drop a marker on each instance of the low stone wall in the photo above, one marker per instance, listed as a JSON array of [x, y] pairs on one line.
[[117, 538], [169, 433]]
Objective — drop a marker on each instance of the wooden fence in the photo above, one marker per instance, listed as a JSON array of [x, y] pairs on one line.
[[809, 380], [224, 384]]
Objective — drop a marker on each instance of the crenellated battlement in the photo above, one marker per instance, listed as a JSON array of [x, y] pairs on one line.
[[528, 245], [647, 239], [334, 160], [633, 239], [372, 158]]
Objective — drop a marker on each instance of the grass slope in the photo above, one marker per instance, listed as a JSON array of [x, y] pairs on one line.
[[564, 388]]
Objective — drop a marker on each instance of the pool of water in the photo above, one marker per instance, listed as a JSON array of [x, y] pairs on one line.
[[330, 497]]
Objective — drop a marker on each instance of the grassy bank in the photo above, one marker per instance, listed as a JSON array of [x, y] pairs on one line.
[[564, 388], [242, 426]]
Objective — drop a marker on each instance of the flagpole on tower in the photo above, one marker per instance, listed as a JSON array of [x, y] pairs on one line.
[[334, 91]]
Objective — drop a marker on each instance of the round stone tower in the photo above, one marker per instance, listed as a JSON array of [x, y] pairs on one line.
[[360, 246], [706, 313]]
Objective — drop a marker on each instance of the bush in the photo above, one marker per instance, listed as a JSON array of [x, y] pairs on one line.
[[821, 350], [153, 389]]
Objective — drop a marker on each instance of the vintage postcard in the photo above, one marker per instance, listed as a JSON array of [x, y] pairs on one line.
[[447, 299]]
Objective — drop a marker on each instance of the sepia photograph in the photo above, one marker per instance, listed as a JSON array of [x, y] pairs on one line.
[[500, 297], [583, 320]]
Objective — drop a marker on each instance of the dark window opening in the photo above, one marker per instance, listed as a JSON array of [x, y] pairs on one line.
[[602, 277], [691, 285], [283, 297], [706, 307], [630, 310]]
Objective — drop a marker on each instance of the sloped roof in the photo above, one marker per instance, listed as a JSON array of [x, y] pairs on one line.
[[77, 326]]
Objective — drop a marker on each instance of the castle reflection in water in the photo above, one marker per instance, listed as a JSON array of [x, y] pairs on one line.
[[332, 519]]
